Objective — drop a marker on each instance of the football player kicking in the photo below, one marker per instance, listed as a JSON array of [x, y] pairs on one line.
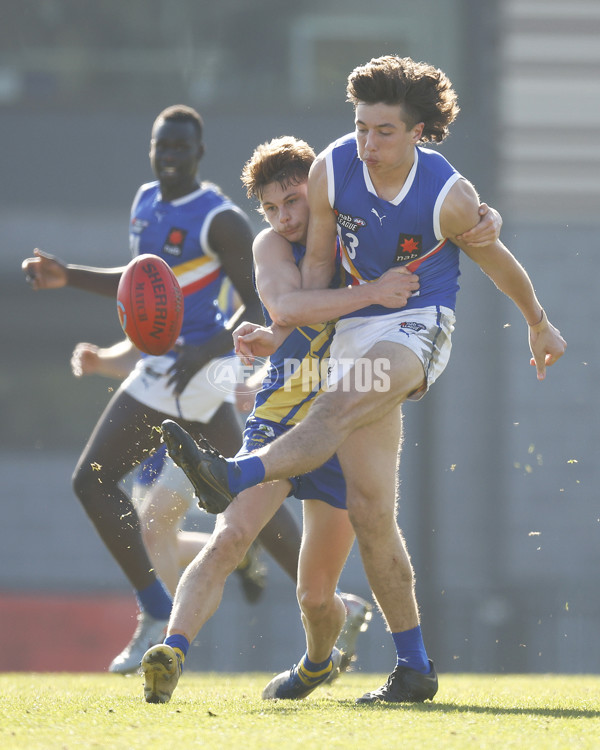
[[277, 176]]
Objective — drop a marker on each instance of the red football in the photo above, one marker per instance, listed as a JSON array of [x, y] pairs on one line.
[[150, 304]]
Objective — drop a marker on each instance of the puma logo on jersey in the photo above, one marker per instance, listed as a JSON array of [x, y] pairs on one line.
[[381, 218]]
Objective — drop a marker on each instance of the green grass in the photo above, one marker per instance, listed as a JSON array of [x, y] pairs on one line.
[[77, 712]]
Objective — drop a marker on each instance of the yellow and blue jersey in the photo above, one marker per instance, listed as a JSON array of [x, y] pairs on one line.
[[295, 375], [297, 371]]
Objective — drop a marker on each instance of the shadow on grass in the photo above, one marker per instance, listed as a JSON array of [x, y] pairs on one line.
[[455, 708], [283, 707]]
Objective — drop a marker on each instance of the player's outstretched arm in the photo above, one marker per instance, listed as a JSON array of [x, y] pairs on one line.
[[495, 260], [45, 271]]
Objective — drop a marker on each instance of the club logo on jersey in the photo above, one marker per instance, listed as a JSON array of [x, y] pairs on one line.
[[175, 240], [263, 434], [411, 325], [138, 225], [410, 247], [349, 222], [267, 430]]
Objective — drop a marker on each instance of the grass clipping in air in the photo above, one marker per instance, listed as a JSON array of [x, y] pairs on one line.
[[75, 712]]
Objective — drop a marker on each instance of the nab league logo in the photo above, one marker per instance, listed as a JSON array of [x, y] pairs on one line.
[[138, 225], [349, 222], [411, 325]]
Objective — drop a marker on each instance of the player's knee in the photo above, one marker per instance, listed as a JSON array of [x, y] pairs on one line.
[[314, 602], [230, 544], [362, 511]]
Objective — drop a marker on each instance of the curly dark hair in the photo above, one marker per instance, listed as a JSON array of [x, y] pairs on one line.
[[286, 160], [425, 92], [182, 113]]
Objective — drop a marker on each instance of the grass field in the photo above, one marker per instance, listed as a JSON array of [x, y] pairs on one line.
[[75, 712]]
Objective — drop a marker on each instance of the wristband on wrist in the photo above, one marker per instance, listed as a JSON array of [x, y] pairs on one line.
[[542, 322]]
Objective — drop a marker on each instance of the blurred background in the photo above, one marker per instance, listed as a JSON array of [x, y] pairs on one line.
[[499, 475]]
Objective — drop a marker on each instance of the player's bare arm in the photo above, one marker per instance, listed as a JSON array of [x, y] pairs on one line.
[[486, 231], [497, 262], [279, 283], [114, 361], [45, 271], [230, 238], [318, 265]]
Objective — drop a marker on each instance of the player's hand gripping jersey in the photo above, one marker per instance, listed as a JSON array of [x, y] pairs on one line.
[[377, 234]]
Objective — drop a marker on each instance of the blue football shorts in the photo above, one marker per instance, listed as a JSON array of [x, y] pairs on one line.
[[325, 483]]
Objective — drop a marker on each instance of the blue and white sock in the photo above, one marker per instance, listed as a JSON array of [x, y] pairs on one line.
[[411, 650]]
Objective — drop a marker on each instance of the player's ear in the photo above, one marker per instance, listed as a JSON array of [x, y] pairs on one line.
[[200, 151], [417, 132]]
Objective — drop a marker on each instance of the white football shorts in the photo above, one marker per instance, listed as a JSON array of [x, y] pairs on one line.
[[426, 331], [147, 383]]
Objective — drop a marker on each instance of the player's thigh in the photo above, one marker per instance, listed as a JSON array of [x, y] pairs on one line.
[[374, 385], [327, 539], [121, 439]]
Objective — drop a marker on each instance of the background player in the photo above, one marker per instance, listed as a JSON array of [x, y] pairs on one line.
[[204, 237]]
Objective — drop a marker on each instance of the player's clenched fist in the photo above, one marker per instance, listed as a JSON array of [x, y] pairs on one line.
[[44, 271], [395, 287]]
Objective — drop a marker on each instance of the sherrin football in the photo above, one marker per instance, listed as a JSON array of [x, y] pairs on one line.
[[150, 304]]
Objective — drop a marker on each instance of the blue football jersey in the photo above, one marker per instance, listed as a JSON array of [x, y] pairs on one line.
[[377, 234], [177, 231]]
